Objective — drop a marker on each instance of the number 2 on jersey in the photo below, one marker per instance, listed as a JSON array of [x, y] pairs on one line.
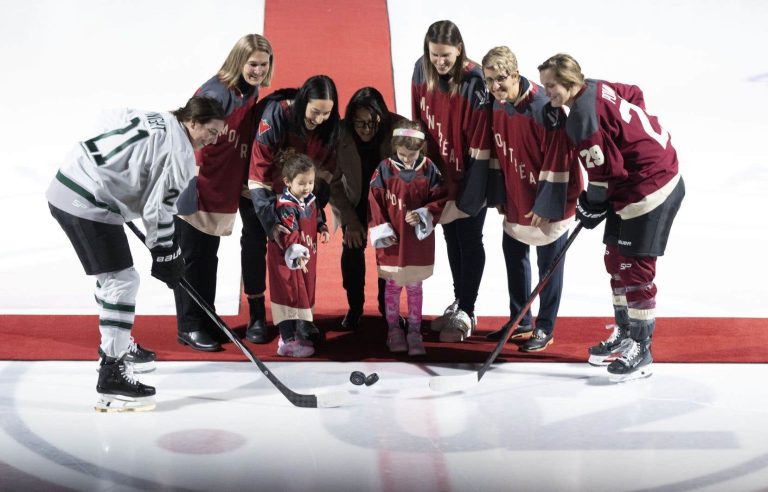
[[106, 145], [625, 107]]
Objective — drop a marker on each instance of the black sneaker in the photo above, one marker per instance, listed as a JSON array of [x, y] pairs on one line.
[[119, 391], [143, 360], [606, 351], [309, 331], [538, 341], [634, 363], [522, 332]]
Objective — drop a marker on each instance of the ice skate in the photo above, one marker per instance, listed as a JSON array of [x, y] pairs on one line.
[[634, 363], [119, 391], [442, 321], [608, 350], [143, 360]]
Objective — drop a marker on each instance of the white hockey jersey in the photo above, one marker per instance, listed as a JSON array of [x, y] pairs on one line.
[[136, 168]]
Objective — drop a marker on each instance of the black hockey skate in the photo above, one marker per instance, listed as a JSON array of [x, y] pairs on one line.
[[634, 363], [606, 351], [119, 391], [143, 360]]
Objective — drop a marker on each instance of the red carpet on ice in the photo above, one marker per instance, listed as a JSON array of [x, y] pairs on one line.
[[321, 49]]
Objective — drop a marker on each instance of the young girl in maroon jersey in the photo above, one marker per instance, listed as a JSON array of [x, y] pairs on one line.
[[406, 199], [293, 259]]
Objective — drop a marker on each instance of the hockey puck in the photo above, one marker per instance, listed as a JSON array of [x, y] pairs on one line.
[[357, 378], [371, 379]]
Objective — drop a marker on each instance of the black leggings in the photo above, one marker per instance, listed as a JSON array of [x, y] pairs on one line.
[[466, 257]]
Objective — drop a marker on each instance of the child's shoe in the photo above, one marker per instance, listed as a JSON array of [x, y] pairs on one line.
[[396, 340], [295, 348], [415, 343]]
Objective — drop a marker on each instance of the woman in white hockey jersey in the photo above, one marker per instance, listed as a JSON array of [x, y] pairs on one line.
[[135, 168]]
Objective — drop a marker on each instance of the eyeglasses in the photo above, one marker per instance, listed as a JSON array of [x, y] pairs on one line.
[[362, 125], [499, 79]]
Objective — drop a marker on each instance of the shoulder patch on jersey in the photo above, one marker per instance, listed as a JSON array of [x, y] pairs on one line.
[[264, 127]]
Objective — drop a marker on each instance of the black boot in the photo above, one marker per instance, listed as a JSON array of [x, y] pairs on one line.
[[257, 326]]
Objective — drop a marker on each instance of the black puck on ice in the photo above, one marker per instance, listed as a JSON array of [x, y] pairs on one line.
[[357, 378], [371, 378]]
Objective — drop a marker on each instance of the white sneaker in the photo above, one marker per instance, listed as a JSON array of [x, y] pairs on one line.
[[442, 321], [459, 328]]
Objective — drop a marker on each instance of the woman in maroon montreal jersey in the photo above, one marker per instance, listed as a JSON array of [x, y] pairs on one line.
[[307, 121], [449, 97], [633, 183], [208, 206], [538, 183]]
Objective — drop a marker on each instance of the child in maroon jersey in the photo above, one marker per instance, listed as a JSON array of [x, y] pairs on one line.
[[406, 199], [293, 259]]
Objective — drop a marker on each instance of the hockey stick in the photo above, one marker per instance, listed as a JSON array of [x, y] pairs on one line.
[[307, 401], [457, 383]]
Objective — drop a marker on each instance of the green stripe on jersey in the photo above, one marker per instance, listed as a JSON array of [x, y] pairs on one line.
[[84, 193]]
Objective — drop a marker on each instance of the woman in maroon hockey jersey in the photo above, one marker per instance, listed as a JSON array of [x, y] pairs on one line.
[[537, 183], [207, 208], [450, 99], [634, 184], [406, 198], [306, 120]]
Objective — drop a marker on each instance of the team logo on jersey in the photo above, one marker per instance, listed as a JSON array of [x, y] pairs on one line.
[[288, 219], [264, 127]]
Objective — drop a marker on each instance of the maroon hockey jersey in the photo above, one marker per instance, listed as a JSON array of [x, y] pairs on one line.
[[535, 165], [272, 135], [394, 191], [211, 200], [629, 158], [292, 292], [458, 137]]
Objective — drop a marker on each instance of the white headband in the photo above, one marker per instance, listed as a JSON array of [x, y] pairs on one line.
[[407, 132]]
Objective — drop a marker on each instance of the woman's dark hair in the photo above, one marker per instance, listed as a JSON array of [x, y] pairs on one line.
[[317, 87], [372, 101], [444, 32], [200, 109], [293, 163]]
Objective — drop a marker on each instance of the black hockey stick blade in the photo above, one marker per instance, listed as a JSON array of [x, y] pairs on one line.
[[464, 381], [327, 400]]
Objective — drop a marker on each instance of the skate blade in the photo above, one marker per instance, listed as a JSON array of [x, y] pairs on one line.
[[643, 373], [117, 404]]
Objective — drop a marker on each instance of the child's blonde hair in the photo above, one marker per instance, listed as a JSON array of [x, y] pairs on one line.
[[408, 134]]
